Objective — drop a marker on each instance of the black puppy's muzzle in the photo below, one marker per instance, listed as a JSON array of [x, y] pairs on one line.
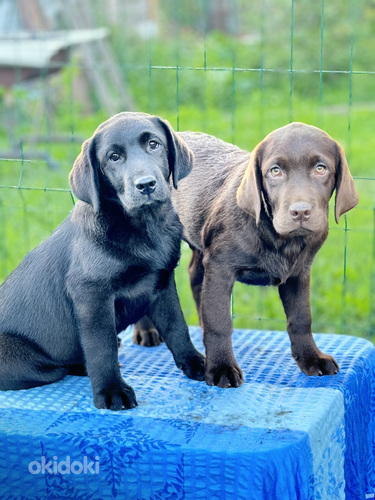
[[146, 185]]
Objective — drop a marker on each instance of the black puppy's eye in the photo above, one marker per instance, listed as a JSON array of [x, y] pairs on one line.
[[153, 144], [276, 171], [114, 157]]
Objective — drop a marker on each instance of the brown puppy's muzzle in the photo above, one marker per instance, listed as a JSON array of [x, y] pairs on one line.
[[292, 217], [300, 212]]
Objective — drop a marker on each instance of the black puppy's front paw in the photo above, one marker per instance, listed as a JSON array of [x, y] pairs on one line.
[[118, 396], [193, 366]]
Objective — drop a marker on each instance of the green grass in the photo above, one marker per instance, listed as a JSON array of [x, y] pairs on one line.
[[237, 106], [342, 292]]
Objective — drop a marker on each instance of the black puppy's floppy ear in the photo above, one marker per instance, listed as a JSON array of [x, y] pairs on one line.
[[346, 193], [249, 194], [180, 156], [83, 177]]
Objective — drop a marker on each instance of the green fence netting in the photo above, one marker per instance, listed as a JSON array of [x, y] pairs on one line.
[[224, 67]]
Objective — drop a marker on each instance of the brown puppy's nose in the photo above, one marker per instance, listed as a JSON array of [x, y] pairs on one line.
[[300, 212]]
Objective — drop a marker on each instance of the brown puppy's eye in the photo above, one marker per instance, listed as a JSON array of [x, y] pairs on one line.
[[320, 169], [114, 157], [276, 171], [153, 145]]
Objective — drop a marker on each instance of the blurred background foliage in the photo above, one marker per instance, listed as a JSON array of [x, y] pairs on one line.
[[232, 68]]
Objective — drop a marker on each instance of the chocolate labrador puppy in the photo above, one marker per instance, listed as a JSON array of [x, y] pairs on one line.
[[260, 219], [109, 263]]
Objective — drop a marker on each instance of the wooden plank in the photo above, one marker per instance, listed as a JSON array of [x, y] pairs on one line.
[[31, 15]]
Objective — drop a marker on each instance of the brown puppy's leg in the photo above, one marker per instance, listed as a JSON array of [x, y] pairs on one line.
[[295, 296], [145, 333], [221, 366], [196, 273]]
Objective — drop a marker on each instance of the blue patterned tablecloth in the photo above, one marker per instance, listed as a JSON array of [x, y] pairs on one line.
[[281, 435]]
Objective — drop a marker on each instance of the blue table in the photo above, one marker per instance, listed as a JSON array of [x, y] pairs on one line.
[[281, 435]]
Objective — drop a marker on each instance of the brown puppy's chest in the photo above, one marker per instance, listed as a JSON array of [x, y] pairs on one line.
[[267, 272], [257, 277], [273, 265]]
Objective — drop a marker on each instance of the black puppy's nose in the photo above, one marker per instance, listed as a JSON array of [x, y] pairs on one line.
[[300, 212], [146, 185]]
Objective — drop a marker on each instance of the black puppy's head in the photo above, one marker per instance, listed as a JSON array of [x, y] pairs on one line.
[[129, 160], [292, 175]]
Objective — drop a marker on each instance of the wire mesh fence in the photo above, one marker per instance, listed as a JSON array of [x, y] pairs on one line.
[[224, 67]]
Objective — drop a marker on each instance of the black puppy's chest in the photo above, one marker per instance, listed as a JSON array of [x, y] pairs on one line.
[[136, 288], [140, 282], [138, 279], [144, 258]]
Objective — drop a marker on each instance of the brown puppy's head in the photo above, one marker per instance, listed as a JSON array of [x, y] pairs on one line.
[[129, 161], [292, 175]]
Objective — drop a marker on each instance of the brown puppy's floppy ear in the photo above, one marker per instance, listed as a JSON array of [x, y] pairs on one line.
[[346, 193], [180, 156], [83, 177], [249, 194]]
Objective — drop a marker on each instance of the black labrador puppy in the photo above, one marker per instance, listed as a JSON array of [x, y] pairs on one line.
[[110, 262], [260, 219]]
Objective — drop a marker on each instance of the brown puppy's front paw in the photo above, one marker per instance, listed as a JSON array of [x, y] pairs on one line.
[[146, 338], [318, 364], [116, 397], [224, 375]]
